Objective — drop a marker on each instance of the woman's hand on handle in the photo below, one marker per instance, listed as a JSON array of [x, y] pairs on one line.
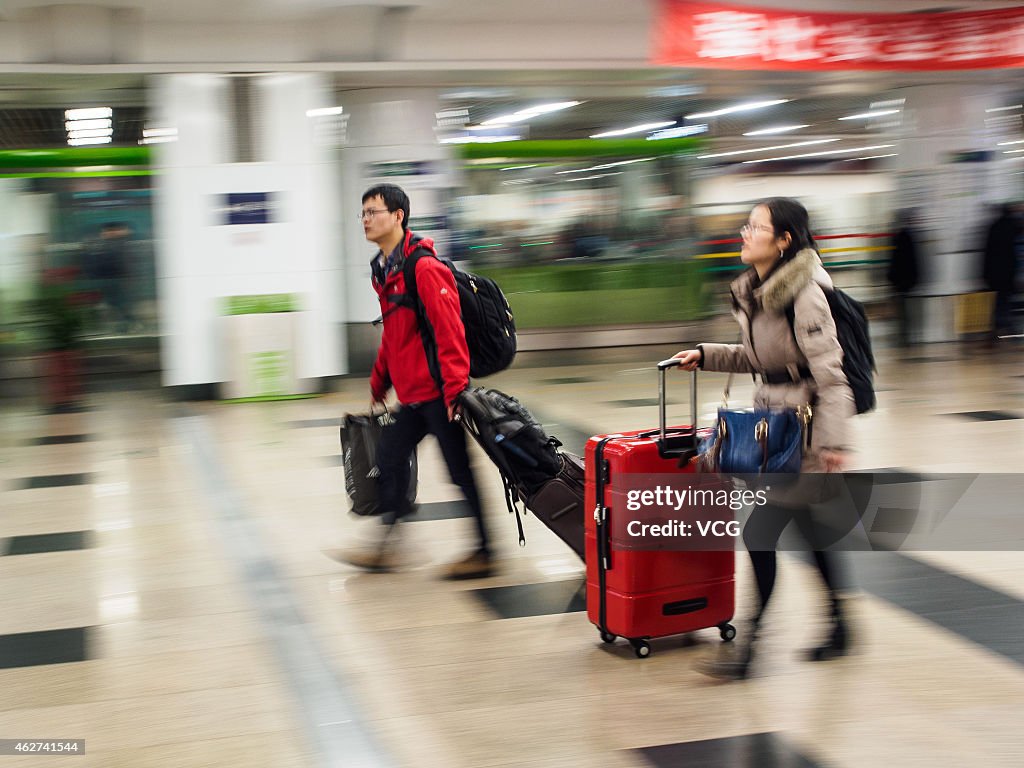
[[690, 359]]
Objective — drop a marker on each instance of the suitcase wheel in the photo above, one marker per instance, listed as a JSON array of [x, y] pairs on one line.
[[727, 631], [641, 648], [607, 637]]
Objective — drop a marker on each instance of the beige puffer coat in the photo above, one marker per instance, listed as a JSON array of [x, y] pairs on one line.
[[770, 345]]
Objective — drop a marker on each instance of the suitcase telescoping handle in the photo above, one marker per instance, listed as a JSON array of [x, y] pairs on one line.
[[663, 366]]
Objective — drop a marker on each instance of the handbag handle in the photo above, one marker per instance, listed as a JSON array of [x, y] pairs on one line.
[[663, 366]]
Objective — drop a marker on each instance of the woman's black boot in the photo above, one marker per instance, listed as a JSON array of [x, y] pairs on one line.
[[732, 662], [838, 642]]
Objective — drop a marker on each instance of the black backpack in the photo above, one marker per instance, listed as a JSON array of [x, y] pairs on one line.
[[514, 440], [854, 337], [486, 315]]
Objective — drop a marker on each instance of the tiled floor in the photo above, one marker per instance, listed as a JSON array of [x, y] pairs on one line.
[[168, 599]]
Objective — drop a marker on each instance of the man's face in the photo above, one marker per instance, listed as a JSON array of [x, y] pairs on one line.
[[378, 221]]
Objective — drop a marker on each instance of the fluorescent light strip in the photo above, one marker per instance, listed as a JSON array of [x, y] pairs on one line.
[[821, 154], [518, 167], [867, 115], [869, 157], [776, 129], [324, 111], [480, 139], [150, 133], [158, 139], [1005, 109], [90, 134], [737, 108], [767, 149], [1012, 151], [605, 165], [679, 132], [595, 176], [643, 128], [1008, 143], [88, 114], [84, 125], [82, 142], [526, 114]]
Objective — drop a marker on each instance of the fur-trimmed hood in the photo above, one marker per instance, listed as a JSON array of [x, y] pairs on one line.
[[783, 285]]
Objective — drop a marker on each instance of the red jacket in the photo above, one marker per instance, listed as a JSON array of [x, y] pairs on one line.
[[402, 358]]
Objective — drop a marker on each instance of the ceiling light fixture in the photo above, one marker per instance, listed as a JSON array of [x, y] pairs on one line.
[[869, 157], [776, 129], [643, 128], [869, 115], [480, 139], [679, 132], [1005, 109], [737, 108], [88, 114], [324, 111], [94, 140], [529, 112], [1008, 143]]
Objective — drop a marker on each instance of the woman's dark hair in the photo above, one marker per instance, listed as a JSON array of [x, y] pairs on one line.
[[394, 198], [789, 215]]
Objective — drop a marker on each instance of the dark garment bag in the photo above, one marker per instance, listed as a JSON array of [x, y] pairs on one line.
[[360, 435], [559, 503]]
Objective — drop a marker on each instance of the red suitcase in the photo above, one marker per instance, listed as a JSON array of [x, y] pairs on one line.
[[643, 594]]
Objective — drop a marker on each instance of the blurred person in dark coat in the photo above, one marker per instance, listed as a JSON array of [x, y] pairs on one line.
[[1000, 267], [904, 270]]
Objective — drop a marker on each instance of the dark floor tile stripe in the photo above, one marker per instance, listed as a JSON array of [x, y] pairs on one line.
[[53, 646], [51, 481], [986, 415], [520, 600], [440, 510], [46, 542], [59, 440], [755, 750]]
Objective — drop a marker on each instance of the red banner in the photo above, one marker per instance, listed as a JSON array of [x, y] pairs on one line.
[[697, 34]]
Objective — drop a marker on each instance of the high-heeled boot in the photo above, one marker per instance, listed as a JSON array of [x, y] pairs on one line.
[[837, 643], [732, 662]]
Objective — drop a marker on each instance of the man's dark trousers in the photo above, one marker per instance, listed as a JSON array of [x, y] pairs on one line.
[[413, 423]]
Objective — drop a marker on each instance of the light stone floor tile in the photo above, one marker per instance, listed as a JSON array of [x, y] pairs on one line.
[[182, 673], [130, 677]]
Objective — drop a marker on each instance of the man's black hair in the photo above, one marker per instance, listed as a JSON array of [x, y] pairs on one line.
[[394, 198]]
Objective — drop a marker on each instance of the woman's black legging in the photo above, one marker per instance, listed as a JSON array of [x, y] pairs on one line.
[[761, 536]]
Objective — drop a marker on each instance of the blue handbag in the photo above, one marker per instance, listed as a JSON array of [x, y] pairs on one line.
[[757, 441]]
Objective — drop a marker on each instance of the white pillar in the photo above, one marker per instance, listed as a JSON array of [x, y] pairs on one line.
[[202, 257]]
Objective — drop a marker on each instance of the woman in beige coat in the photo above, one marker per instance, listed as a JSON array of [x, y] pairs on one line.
[[789, 342]]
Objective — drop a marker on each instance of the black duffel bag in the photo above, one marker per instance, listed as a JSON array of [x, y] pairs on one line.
[[360, 435]]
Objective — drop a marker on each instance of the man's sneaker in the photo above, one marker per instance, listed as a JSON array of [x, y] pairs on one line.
[[478, 565], [375, 559]]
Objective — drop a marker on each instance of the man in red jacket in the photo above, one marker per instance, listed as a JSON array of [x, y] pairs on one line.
[[427, 370]]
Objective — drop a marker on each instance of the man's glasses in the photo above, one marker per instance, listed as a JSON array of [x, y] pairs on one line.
[[749, 229], [369, 213]]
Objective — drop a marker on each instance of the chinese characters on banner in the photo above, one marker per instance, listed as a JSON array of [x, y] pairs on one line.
[[697, 34]]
